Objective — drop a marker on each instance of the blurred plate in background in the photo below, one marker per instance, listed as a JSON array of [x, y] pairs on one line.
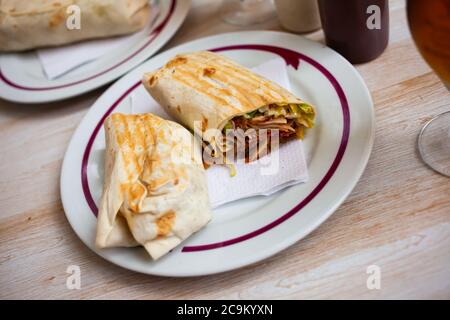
[[23, 80]]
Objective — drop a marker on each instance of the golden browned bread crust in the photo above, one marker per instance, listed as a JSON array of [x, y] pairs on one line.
[[204, 85]]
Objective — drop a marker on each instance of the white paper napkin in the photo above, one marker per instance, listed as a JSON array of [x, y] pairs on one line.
[[59, 60], [270, 174]]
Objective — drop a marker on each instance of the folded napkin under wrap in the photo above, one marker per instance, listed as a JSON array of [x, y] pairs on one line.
[[57, 61], [266, 176]]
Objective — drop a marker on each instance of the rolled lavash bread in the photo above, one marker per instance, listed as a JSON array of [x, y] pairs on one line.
[[155, 193], [205, 90], [29, 24]]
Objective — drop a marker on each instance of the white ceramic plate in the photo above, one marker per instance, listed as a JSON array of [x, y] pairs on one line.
[[250, 230], [23, 80]]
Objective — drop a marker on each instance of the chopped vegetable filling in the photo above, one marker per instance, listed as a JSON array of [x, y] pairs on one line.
[[290, 120]]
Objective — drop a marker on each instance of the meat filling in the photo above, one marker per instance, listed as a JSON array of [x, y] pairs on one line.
[[288, 120]]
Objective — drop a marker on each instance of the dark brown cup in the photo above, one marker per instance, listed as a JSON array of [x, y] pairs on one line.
[[357, 29]]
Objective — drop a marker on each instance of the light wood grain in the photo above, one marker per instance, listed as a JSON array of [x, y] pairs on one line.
[[397, 217]]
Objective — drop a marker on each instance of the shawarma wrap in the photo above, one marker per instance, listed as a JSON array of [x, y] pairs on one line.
[[28, 24], [155, 193], [205, 90]]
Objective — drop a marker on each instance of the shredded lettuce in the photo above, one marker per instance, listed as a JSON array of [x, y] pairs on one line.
[[303, 113], [276, 111], [228, 126], [250, 115], [232, 168], [307, 114], [293, 108]]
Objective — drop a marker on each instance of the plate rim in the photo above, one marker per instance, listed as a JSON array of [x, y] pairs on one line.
[[291, 239]]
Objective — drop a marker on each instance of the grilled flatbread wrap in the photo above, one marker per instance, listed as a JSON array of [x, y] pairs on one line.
[[28, 24], [155, 192], [205, 90]]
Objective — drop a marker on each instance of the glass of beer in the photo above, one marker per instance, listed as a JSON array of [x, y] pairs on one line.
[[429, 22]]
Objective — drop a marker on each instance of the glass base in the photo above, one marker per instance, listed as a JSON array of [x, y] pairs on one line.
[[246, 12], [434, 143]]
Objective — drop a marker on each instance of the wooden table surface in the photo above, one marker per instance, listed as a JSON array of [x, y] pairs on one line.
[[397, 217]]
